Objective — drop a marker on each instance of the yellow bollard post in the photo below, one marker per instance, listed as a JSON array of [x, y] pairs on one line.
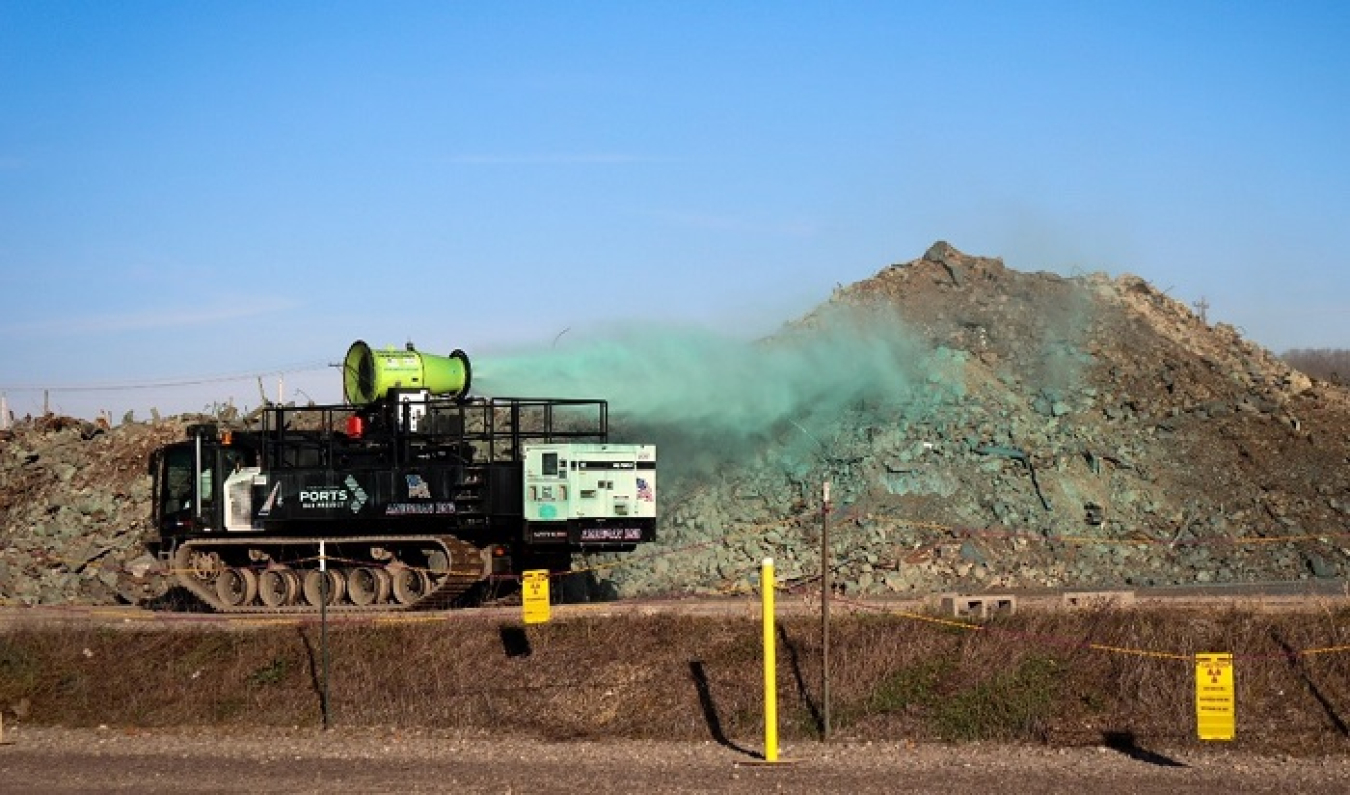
[[766, 585]]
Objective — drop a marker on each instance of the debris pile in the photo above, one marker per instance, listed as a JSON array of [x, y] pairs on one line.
[[75, 509], [1049, 431], [1073, 432]]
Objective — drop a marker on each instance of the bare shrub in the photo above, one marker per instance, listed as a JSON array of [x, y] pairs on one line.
[[1064, 678], [1327, 364]]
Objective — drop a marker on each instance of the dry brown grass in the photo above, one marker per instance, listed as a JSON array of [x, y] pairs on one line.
[[1058, 678]]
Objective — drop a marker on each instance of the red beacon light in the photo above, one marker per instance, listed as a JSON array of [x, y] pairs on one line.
[[356, 427]]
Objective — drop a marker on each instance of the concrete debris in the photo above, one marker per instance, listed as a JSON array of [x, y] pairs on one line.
[[1154, 445]]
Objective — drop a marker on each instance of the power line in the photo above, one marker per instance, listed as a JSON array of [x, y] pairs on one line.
[[307, 367]]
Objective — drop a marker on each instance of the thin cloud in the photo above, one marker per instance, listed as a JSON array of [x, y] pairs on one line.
[[548, 160], [1292, 310], [730, 223], [152, 318]]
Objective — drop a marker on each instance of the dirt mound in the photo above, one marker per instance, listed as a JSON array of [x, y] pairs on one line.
[[1082, 431], [1040, 431]]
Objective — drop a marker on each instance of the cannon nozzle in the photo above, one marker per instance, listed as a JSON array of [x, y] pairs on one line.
[[369, 374]]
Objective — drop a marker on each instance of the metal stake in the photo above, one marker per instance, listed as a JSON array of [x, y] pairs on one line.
[[825, 613], [767, 583], [323, 626]]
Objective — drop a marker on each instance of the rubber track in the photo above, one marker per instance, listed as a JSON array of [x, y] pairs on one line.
[[451, 588]]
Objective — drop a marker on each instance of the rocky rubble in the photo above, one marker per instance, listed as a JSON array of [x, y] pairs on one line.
[[1081, 431], [75, 508]]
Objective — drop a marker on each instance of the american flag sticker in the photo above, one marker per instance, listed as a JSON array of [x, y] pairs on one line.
[[644, 490]]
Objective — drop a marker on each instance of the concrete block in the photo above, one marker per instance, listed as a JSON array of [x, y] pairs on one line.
[[1087, 599], [978, 605]]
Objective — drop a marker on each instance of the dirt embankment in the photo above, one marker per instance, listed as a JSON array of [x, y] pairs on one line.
[[1048, 702]]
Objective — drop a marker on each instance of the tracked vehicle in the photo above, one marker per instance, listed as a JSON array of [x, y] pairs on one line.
[[410, 493]]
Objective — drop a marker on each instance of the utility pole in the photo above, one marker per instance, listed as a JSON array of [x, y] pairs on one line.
[[1202, 306]]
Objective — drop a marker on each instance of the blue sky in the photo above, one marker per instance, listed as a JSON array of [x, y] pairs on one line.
[[208, 192]]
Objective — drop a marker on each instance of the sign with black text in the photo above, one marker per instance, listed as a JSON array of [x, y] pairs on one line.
[[1215, 705], [534, 596]]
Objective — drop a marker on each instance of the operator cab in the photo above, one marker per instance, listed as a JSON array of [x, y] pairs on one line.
[[188, 479]]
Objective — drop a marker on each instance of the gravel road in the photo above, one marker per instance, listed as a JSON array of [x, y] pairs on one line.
[[348, 761]]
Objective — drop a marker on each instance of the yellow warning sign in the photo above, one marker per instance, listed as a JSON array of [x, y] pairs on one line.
[[534, 596], [1215, 705]]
